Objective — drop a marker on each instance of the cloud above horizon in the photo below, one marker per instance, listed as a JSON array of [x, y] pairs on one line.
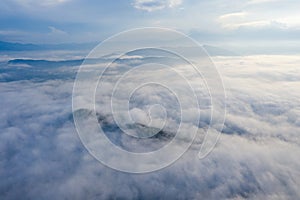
[[152, 5]]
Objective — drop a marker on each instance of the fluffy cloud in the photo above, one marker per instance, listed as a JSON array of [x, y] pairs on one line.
[[256, 158]]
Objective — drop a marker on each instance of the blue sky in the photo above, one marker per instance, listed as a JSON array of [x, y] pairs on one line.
[[221, 22]]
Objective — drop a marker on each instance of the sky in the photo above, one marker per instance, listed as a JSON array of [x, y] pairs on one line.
[[265, 24]]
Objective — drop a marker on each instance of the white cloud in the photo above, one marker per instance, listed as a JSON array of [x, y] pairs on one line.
[[257, 14], [56, 31], [42, 157], [232, 15], [238, 20], [152, 5]]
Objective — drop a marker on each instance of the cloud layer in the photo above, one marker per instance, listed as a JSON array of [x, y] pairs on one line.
[[256, 158]]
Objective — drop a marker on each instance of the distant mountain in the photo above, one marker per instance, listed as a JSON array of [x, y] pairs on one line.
[[46, 63], [78, 62], [8, 46], [137, 56]]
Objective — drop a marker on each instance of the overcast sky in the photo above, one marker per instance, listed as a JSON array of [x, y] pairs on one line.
[[226, 22]]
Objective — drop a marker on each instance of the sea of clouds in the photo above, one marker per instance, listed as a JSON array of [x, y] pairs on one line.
[[257, 156]]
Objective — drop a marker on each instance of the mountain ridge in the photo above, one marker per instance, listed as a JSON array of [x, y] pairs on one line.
[[15, 46]]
